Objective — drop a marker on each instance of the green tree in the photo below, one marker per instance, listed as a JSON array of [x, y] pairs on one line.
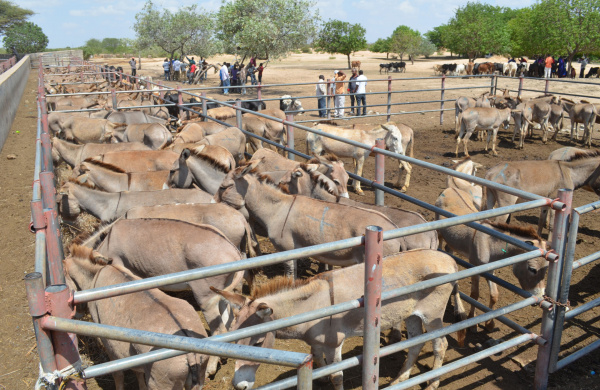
[[189, 30], [93, 46], [405, 40], [477, 29], [11, 14], [382, 45], [427, 48], [111, 45], [435, 36], [25, 37], [341, 37], [267, 28]]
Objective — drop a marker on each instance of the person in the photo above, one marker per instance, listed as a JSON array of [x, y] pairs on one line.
[[251, 73], [562, 67], [352, 90], [166, 68], [511, 60], [584, 62], [190, 61], [340, 98], [243, 78], [260, 72], [191, 72], [548, 69], [361, 93], [176, 69], [234, 78], [253, 61], [132, 64], [321, 92], [224, 76]]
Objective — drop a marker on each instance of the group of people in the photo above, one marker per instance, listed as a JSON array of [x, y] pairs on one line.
[[174, 67], [356, 89], [237, 75]]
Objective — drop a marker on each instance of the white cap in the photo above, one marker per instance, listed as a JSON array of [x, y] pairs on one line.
[[335, 71]]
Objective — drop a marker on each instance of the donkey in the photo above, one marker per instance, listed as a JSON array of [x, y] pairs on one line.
[[196, 131], [481, 248], [86, 269], [266, 128], [282, 298], [153, 247], [138, 161], [74, 154], [470, 167], [155, 135], [485, 118], [229, 221], [110, 178], [75, 197], [584, 113], [231, 139], [543, 178], [80, 129], [294, 221], [318, 144], [463, 102], [131, 117]]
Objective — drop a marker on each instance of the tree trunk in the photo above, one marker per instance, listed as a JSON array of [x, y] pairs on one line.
[[349, 64], [387, 56], [139, 61]]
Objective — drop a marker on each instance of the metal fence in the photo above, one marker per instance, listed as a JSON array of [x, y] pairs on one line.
[[6, 64], [52, 324]]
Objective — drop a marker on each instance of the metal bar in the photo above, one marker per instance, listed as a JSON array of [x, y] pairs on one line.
[[485, 309], [442, 99], [204, 106], [188, 344], [582, 309], [54, 249], [520, 86], [379, 172], [290, 135], [588, 207], [389, 99], [576, 355], [547, 87], [305, 376], [65, 344], [238, 114], [492, 84], [372, 302], [586, 260], [542, 366]]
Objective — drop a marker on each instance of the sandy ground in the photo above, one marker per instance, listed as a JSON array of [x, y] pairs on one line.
[[434, 143]]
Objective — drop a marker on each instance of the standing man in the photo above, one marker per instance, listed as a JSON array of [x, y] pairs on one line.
[[260, 71], [224, 75], [352, 90], [132, 64], [340, 98], [584, 62], [191, 73], [321, 91], [548, 69], [166, 67], [176, 69], [361, 93]]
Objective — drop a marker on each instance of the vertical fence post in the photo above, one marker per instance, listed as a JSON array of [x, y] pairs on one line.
[[379, 171], [204, 108], [548, 317], [372, 302], [290, 135], [520, 85], [547, 88], [238, 113], [328, 101], [180, 102], [114, 98], [442, 99], [34, 285], [496, 85], [305, 376], [492, 84], [389, 102], [259, 91], [161, 92]]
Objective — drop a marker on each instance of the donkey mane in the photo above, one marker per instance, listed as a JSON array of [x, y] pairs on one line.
[[83, 252], [581, 155], [276, 285], [211, 160], [102, 164], [266, 179], [461, 161], [528, 232], [327, 122], [329, 157], [316, 176], [86, 185]]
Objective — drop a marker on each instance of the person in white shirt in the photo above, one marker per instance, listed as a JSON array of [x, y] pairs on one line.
[[176, 69], [224, 75], [361, 90], [321, 93]]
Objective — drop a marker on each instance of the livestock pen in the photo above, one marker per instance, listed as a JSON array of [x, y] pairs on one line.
[[45, 223]]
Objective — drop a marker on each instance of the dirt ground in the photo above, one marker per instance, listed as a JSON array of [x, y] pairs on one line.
[[433, 142]]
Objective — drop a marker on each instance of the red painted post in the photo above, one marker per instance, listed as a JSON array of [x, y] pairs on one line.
[[372, 302], [162, 92], [47, 163], [44, 111], [442, 99], [54, 250], [290, 136], [379, 171], [389, 102], [520, 86]]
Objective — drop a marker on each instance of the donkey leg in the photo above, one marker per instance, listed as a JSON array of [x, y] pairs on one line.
[[414, 328], [408, 169], [216, 324], [317, 352], [119, 378], [457, 145], [475, 296], [359, 168], [440, 345], [494, 138], [489, 325], [335, 356]]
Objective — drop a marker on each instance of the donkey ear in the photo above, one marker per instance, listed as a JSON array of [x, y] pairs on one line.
[[186, 153], [297, 172], [477, 165], [253, 164], [199, 148], [263, 310], [312, 167], [234, 299]]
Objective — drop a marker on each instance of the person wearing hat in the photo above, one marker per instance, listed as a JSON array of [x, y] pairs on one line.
[[340, 98], [132, 65], [321, 92]]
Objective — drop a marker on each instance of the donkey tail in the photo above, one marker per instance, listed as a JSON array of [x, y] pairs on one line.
[[459, 315]]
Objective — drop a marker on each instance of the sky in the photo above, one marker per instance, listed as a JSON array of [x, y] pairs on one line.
[[72, 23]]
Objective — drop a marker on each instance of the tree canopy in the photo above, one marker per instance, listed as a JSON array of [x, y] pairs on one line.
[[341, 37], [25, 37], [267, 28], [189, 30], [11, 14], [405, 40], [382, 45]]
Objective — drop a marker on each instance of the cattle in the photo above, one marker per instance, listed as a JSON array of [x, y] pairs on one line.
[[250, 104], [399, 66], [437, 69], [288, 103], [486, 68], [356, 64], [593, 72], [448, 68], [385, 67], [498, 67]]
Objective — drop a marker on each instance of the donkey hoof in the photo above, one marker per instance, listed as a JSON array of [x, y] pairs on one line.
[[473, 329], [359, 192], [489, 326]]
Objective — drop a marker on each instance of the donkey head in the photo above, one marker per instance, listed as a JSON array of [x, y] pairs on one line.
[[393, 140], [68, 205], [234, 187], [180, 175]]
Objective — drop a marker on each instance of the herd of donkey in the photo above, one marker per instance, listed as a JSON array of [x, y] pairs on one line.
[[169, 201]]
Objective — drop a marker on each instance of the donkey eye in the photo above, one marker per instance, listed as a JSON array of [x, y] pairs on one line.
[[532, 270], [336, 181]]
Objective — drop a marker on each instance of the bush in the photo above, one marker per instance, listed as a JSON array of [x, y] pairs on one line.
[[332, 58], [306, 49]]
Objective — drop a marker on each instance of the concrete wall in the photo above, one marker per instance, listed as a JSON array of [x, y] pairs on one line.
[[57, 58], [12, 85]]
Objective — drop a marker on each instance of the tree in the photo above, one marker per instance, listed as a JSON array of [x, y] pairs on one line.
[[341, 37], [427, 48], [381, 46], [435, 36], [187, 30], [405, 40], [267, 28], [478, 29], [25, 37], [111, 45], [11, 14]]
